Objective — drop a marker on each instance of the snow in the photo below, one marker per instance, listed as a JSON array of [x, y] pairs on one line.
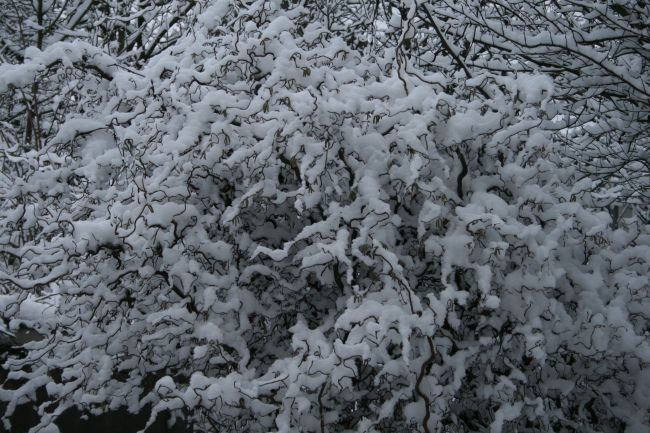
[[282, 231]]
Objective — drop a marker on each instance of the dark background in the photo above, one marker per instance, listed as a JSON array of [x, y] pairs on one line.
[[120, 421]]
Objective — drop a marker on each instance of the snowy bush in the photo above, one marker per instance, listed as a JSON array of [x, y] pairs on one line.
[[596, 52], [264, 229]]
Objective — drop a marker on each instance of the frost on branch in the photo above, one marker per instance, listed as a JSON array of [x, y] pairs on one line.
[[264, 229]]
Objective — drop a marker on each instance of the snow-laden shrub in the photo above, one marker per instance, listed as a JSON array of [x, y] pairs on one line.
[[265, 230], [597, 54]]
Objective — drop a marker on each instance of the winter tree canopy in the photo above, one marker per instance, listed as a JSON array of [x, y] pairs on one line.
[[330, 216], [598, 55]]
